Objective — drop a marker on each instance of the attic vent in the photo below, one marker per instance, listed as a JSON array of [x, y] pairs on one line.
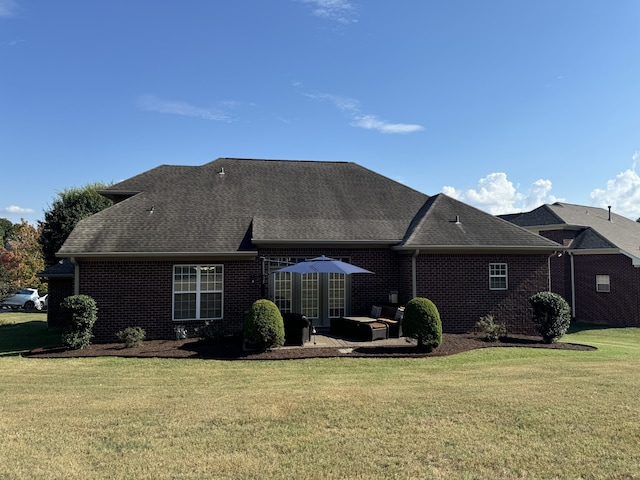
[[457, 222], [221, 172], [150, 210]]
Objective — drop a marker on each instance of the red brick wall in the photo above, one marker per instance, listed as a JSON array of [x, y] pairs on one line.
[[459, 286], [618, 307], [139, 293]]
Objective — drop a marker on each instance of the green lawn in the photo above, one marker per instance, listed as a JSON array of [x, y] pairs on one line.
[[491, 413]]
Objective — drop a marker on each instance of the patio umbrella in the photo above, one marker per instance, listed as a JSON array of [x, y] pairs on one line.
[[323, 265]]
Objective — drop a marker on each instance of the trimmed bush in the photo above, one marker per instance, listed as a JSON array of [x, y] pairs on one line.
[[551, 314], [492, 331], [81, 313], [131, 336], [263, 326], [422, 321]]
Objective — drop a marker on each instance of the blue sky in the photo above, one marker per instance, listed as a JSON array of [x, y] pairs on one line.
[[503, 104]]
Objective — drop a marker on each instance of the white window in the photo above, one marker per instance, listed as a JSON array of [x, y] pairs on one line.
[[498, 276], [603, 283], [197, 292]]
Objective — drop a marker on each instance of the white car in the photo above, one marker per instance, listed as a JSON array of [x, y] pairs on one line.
[[26, 298]]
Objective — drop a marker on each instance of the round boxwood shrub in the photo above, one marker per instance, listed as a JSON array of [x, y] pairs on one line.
[[263, 326], [551, 314], [81, 313], [422, 321]]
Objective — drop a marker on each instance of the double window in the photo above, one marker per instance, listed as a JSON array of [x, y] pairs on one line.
[[498, 276], [197, 292]]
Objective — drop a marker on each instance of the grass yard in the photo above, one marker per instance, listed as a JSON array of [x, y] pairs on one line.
[[490, 413]]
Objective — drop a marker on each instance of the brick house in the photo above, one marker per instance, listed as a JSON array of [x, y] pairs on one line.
[[599, 274], [185, 244]]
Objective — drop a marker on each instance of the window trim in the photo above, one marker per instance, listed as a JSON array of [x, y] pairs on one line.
[[495, 276], [198, 291]]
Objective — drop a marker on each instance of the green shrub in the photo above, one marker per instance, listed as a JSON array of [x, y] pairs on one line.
[[210, 332], [551, 314], [422, 321], [81, 314], [131, 336], [492, 331], [263, 326]]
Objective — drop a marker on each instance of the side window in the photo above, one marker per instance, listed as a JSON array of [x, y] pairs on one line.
[[498, 276], [603, 283], [197, 292]]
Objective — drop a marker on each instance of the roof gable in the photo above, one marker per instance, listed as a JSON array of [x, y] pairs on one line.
[[445, 222]]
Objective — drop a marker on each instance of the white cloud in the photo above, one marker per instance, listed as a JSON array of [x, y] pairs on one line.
[[340, 11], [8, 8], [15, 210], [152, 103], [621, 193], [369, 122], [497, 195]]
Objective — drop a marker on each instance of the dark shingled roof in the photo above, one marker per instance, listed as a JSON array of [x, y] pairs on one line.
[[445, 222], [229, 206], [598, 228]]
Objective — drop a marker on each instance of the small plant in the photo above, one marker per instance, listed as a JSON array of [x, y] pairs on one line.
[[552, 315], [422, 321], [492, 331], [131, 336], [81, 312], [263, 326], [210, 332]]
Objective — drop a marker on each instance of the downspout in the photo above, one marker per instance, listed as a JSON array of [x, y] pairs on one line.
[[573, 287], [414, 273], [549, 268], [76, 276]]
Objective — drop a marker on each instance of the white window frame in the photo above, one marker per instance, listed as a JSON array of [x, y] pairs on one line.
[[196, 288], [603, 283], [498, 271]]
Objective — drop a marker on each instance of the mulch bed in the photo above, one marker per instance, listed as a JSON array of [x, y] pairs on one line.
[[232, 350]]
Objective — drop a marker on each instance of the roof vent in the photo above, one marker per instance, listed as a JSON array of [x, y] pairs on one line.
[[457, 222], [221, 172], [609, 207]]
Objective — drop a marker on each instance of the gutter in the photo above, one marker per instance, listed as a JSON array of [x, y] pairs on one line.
[[573, 286], [414, 273], [76, 276]]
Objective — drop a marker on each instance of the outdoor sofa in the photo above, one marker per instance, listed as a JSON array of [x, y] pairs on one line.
[[383, 322]]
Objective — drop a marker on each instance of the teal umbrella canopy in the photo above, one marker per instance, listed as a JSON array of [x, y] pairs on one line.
[[323, 265]]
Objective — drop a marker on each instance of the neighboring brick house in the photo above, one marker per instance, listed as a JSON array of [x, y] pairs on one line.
[[184, 244], [599, 274]]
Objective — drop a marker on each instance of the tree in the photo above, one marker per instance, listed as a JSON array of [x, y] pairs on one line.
[[71, 206], [22, 256], [6, 231]]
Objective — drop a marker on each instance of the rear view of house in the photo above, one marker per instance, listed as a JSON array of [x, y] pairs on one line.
[[186, 244], [599, 274]]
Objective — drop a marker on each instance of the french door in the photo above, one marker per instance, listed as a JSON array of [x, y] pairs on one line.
[[319, 297]]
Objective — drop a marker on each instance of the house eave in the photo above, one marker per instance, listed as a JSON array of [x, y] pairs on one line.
[[477, 248], [157, 255], [355, 243]]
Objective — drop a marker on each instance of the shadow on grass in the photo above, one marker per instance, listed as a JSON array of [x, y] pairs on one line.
[[583, 327], [24, 337]]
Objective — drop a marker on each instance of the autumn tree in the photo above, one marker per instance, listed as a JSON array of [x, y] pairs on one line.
[[22, 258], [71, 206]]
